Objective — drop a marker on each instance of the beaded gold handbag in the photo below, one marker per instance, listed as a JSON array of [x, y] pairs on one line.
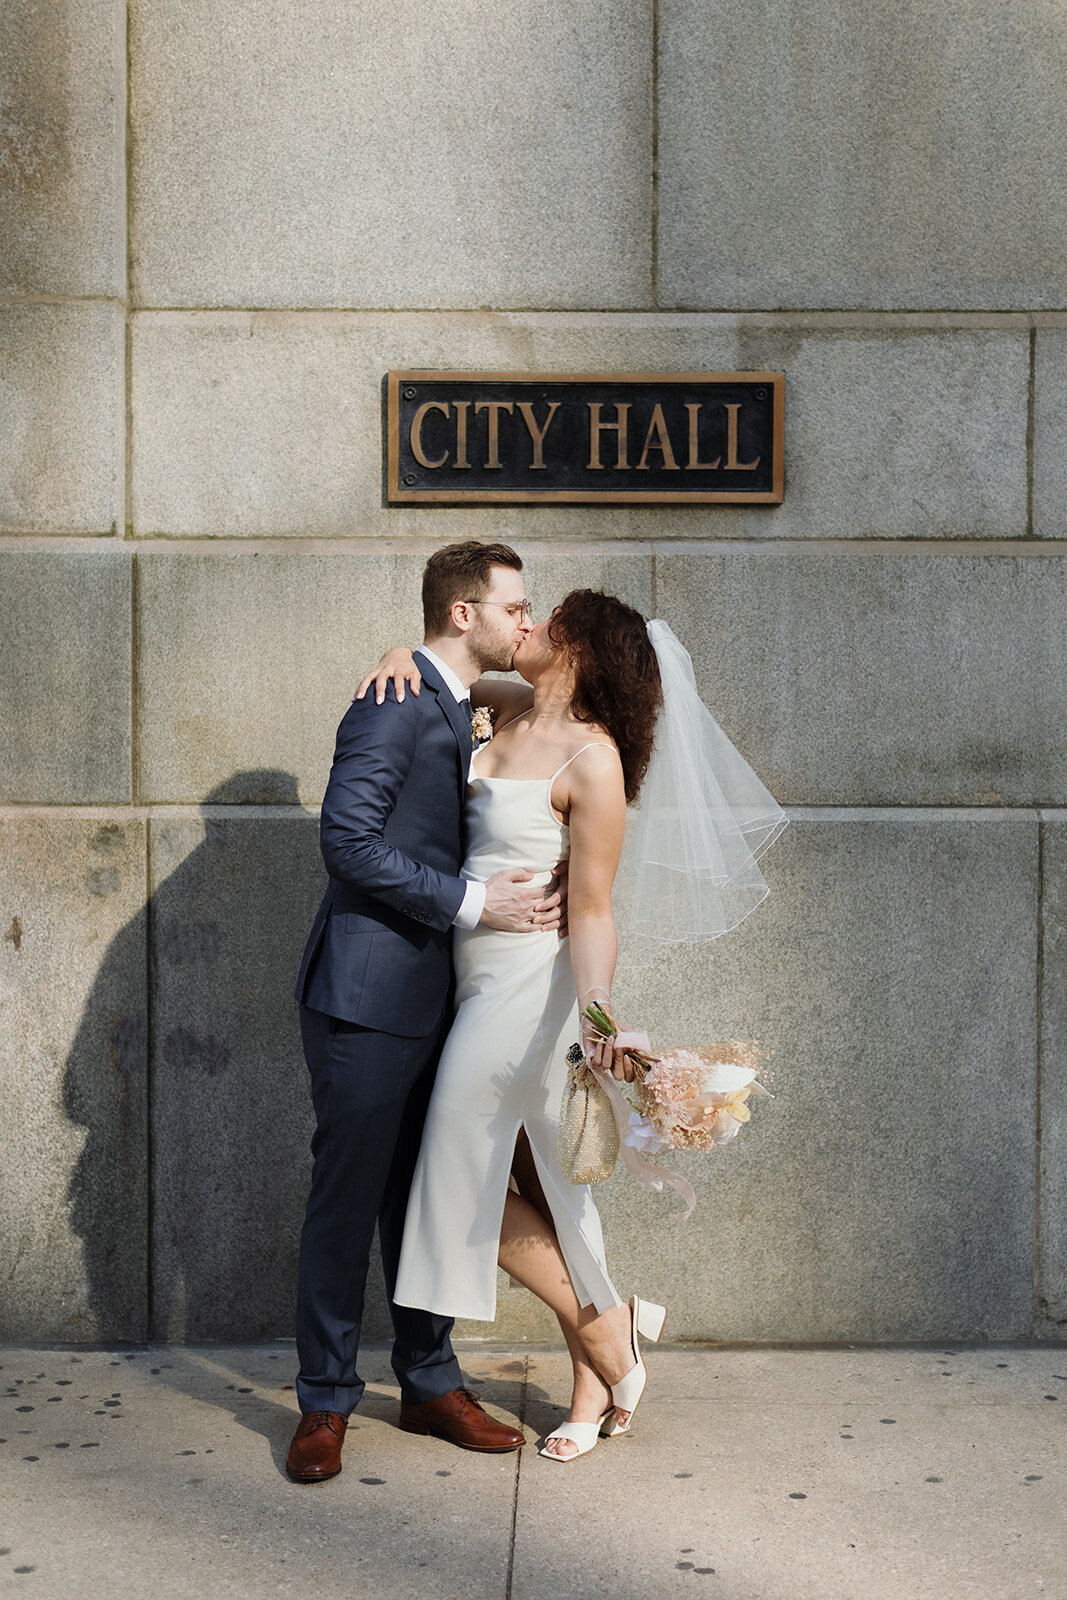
[[588, 1142]]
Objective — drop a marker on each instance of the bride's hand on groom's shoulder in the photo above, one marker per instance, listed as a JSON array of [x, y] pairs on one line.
[[397, 667]]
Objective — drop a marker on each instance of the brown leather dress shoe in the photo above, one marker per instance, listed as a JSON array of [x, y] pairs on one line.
[[458, 1417], [315, 1453]]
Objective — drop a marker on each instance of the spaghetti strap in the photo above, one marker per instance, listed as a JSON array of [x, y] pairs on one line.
[[596, 744]]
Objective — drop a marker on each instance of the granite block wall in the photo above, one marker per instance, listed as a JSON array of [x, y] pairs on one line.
[[223, 226]]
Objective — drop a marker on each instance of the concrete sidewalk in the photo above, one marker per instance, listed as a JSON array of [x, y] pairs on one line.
[[751, 1475]]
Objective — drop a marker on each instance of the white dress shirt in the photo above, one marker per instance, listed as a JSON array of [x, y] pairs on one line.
[[469, 913]]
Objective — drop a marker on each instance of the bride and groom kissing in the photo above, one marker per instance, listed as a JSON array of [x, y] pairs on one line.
[[439, 991]]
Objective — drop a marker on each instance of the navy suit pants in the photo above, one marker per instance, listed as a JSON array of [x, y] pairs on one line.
[[370, 1091]]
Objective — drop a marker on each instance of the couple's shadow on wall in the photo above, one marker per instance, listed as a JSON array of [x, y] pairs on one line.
[[188, 1078]]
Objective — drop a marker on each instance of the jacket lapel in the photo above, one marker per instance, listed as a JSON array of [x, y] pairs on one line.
[[453, 714]]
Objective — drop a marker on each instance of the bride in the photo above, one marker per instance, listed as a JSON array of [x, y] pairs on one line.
[[569, 753]]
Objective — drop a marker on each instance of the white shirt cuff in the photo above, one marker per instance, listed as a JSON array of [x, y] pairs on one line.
[[470, 912]]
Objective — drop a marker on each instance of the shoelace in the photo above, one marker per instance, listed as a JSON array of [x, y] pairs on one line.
[[316, 1419]]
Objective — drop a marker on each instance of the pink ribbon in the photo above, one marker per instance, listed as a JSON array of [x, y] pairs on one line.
[[653, 1177]]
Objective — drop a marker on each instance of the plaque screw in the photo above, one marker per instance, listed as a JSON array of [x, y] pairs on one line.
[[409, 394], [409, 477], [761, 394]]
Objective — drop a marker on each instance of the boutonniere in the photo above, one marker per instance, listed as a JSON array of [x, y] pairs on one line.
[[482, 726]]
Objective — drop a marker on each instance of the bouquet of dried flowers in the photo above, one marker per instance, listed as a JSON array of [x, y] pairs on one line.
[[693, 1097]]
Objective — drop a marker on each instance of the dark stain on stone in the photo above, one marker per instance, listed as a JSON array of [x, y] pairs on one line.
[[684, 1566], [704, 1569], [14, 933], [796, 1495], [186, 1051], [185, 1452], [683, 1474], [887, 1419], [64, 1446], [244, 1391], [53, 1399], [184, 942], [24, 1408], [25, 1569], [102, 881], [443, 1474], [372, 1480], [108, 838], [1033, 1477], [933, 1480], [63, 1383], [847, 1435], [95, 1445], [1052, 1397], [31, 1458]]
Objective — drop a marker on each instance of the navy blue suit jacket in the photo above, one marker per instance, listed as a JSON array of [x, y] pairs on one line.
[[379, 952]]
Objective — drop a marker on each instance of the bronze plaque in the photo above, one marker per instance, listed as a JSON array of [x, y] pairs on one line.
[[655, 438]]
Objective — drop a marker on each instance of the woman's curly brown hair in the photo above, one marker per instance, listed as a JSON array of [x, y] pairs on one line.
[[617, 678]]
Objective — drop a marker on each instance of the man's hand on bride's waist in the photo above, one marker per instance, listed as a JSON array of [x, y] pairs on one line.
[[514, 903]]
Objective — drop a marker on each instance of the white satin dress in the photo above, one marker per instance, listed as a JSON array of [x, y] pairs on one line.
[[503, 1068]]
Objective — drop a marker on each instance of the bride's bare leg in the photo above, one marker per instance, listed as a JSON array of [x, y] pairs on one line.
[[530, 1252], [599, 1345]]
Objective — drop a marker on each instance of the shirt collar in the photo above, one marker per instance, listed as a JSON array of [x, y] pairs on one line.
[[459, 691]]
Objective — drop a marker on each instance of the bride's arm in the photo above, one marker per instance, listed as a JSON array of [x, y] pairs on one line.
[[597, 822], [505, 700], [398, 667]]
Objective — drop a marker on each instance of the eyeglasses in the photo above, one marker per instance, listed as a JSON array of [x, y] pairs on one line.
[[517, 609]]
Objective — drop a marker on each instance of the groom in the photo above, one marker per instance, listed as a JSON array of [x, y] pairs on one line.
[[375, 988]]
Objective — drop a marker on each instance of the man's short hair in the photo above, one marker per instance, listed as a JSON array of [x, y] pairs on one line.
[[460, 572]]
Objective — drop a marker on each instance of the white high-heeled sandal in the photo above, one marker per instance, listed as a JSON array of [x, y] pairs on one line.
[[647, 1320], [583, 1434]]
